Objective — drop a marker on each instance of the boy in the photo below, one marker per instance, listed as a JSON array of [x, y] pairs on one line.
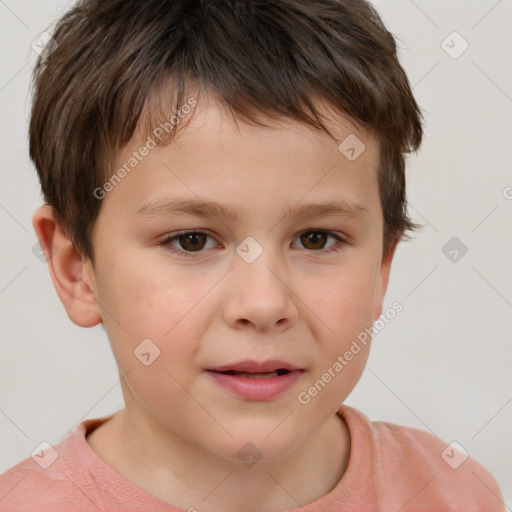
[[274, 132]]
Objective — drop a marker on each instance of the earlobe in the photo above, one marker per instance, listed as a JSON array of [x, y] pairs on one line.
[[382, 283], [71, 273]]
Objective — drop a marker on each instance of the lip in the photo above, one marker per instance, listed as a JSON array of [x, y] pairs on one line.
[[260, 388], [255, 366]]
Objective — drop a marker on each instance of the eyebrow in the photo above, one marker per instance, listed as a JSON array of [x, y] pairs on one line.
[[175, 207]]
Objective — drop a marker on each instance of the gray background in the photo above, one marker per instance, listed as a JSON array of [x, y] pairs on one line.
[[443, 364]]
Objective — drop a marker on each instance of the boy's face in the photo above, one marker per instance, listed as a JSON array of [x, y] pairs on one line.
[[277, 295]]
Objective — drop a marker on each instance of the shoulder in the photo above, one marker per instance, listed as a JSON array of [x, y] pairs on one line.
[[412, 462], [54, 479], [28, 487]]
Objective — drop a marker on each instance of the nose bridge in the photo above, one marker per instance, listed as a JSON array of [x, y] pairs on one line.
[[259, 293], [256, 265]]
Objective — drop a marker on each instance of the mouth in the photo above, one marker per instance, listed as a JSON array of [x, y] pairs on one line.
[[256, 367], [255, 381], [259, 375]]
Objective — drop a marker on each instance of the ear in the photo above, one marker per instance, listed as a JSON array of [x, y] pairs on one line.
[[72, 274], [382, 282]]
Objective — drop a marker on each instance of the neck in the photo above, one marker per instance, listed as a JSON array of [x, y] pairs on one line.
[[189, 476]]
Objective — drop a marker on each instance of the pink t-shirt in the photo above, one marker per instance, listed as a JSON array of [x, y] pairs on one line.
[[391, 468]]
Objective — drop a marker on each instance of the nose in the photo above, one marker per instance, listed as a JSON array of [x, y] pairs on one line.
[[259, 296]]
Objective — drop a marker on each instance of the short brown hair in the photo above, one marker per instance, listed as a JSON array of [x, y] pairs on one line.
[[267, 58]]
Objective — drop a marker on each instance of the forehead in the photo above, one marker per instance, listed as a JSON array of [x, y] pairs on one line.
[[216, 156], [210, 115]]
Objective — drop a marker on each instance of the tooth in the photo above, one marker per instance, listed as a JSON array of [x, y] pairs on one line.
[[256, 375]]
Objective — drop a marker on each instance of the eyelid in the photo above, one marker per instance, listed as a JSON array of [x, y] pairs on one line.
[[166, 241], [335, 234]]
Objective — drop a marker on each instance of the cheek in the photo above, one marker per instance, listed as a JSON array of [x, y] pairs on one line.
[[151, 299], [345, 307], [344, 302], [343, 350], [156, 348], [151, 304]]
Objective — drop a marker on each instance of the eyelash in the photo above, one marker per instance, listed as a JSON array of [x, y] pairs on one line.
[[166, 242]]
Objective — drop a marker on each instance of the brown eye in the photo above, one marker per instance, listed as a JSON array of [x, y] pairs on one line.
[[189, 243], [314, 240], [192, 241]]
